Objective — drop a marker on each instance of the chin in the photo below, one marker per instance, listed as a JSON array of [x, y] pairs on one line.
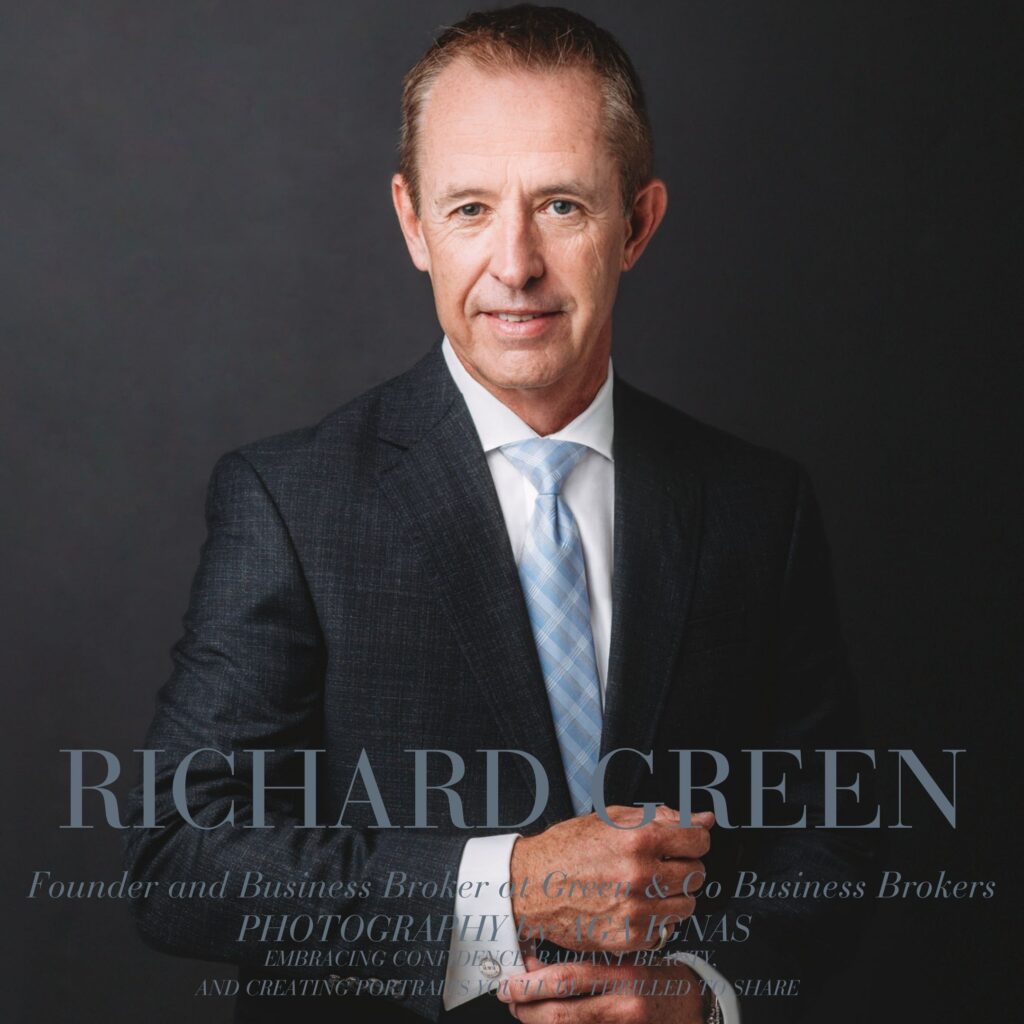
[[524, 378], [525, 383], [519, 367]]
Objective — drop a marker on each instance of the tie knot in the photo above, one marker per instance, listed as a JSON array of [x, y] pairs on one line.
[[545, 463]]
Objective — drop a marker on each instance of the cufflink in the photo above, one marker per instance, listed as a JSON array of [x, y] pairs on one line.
[[489, 967], [347, 984]]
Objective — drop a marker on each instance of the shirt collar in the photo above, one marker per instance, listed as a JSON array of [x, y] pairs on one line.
[[497, 424]]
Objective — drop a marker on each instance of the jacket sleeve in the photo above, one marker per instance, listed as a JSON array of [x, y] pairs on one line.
[[248, 674]]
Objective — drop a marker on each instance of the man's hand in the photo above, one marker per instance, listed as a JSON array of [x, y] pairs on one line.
[[580, 993], [587, 885]]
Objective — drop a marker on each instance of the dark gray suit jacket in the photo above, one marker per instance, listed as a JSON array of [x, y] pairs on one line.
[[357, 590]]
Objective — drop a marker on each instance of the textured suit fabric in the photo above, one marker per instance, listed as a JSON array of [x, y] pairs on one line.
[[357, 590]]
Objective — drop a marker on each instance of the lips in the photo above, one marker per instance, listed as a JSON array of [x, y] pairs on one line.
[[515, 316], [521, 324]]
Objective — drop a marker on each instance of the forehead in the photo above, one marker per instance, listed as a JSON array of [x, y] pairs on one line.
[[526, 121]]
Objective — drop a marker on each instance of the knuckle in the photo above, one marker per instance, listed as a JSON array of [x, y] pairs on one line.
[[636, 906], [637, 878], [560, 976], [634, 841], [561, 1013], [633, 1010]]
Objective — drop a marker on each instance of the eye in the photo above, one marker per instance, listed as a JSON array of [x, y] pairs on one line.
[[563, 207], [470, 210]]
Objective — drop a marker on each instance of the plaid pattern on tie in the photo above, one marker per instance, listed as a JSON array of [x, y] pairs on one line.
[[555, 586]]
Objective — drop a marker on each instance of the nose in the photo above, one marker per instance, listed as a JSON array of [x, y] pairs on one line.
[[516, 254]]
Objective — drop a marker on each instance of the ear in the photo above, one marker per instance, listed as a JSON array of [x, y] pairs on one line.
[[410, 223], [648, 210]]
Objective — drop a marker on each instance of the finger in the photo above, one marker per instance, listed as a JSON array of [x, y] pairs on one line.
[[669, 815], [675, 841], [563, 981], [588, 1010], [626, 815], [679, 877], [631, 817], [547, 982], [669, 915]]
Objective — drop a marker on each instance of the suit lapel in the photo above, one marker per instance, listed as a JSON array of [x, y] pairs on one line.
[[441, 488], [657, 538]]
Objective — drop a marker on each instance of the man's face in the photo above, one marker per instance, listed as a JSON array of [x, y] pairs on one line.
[[520, 225]]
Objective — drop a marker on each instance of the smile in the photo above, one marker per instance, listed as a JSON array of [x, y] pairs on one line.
[[521, 326]]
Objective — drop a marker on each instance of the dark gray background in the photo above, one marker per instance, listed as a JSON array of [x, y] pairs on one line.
[[197, 248]]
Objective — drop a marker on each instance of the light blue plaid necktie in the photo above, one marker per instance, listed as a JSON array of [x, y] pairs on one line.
[[555, 586]]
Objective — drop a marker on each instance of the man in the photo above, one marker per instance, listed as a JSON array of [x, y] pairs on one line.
[[505, 549]]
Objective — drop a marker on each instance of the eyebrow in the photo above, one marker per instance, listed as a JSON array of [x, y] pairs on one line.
[[570, 187]]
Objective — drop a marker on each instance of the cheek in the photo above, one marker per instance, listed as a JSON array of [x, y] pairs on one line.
[[592, 265], [455, 268], [448, 281]]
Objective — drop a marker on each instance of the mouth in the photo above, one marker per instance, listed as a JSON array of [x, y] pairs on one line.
[[512, 318], [517, 326], [519, 316]]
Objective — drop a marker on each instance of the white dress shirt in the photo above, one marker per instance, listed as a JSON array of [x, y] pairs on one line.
[[589, 491]]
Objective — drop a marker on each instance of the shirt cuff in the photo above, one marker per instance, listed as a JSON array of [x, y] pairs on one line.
[[716, 981], [484, 947]]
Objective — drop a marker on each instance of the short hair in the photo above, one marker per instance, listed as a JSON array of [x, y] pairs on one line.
[[531, 38]]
